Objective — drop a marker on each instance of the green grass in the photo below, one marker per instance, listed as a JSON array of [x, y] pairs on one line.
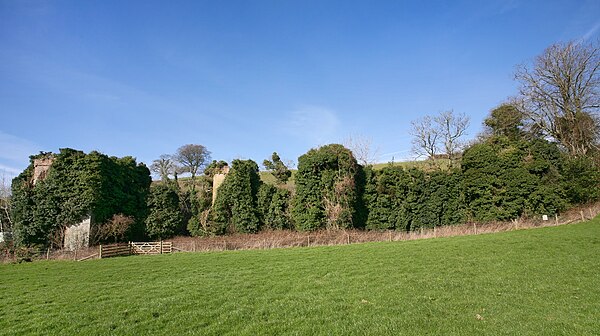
[[421, 164], [537, 282]]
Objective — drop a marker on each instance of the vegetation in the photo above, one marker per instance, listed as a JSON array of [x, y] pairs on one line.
[[78, 185], [192, 158], [506, 179], [560, 96], [327, 191], [279, 170], [538, 154], [412, 199], [440, 134], [236, 205], [274, 205], [514, 283], [165, 218]]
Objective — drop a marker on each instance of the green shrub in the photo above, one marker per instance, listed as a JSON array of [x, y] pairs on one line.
[[274, 206], [78, 185], [505, 179], [327, 193], [236, 204], [164, 218]]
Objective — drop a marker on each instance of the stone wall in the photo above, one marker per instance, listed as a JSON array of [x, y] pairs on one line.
[[218, 180], [41, 167], [78, 236]]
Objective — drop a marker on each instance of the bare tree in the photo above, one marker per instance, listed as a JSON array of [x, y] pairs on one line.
[[425, 138], [442, 133], [164, 166], [451, 127], [114, 230], [192, 158], [561, 97], [362, 148], [5, 203]]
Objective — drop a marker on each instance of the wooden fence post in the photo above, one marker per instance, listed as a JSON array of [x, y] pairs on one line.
[[582, 216], [308, 240], [348, 236], [434, 233], [555, 219], [161, 248], [194, 245], [475, 227]]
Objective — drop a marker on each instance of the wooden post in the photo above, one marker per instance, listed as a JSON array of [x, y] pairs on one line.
[[390, 235], [194, 245], [161, 247], [591, 213], [100, 252], [75, 254], [555, 219], [582, 216], [225, 245], [308, 240], [475, 228], [348, 236], [434, 233]]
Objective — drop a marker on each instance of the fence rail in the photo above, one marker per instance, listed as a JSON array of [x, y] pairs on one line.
[[125, 249], [151, 247], [114, 250]]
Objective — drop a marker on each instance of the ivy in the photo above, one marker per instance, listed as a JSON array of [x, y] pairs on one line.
[[327, 190], [236, 204], [78, 185]]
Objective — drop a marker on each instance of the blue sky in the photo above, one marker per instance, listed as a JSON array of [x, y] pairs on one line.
[[247, 78]]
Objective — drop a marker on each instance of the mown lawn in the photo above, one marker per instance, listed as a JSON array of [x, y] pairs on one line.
[[538, 282]]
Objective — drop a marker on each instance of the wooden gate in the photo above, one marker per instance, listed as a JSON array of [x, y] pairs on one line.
[[151, 247], [124, 249]]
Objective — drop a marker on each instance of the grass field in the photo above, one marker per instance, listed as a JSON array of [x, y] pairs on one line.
[[539, 282]]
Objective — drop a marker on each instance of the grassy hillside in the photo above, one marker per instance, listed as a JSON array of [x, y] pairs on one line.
[[537, 282]]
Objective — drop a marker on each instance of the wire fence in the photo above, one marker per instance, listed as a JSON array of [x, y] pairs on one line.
[[288, 238]]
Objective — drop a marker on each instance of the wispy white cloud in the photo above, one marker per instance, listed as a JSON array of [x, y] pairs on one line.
[[313, 124], [591, 32], [8, 172], [15, 152]]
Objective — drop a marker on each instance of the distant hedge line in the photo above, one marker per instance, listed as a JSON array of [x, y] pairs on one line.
[[499, 179]]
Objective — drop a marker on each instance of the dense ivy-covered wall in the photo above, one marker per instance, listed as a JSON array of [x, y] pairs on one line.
[[327, 192], [78, 185], [411, 199], [504, 179], [165, 218], [236, 205]]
